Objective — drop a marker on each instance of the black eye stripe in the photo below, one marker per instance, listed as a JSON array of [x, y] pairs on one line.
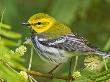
[[39, 23]]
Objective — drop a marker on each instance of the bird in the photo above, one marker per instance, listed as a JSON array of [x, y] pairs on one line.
[[55, 42]]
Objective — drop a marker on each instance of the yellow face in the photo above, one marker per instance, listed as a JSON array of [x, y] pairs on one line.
[[41, 22]]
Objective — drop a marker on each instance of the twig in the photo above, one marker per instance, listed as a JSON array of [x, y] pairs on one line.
[[32, 79], [46, 75], [75, 65], [30, 61], [50, 76]]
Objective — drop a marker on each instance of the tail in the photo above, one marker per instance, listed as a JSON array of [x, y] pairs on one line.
[[102, 53]]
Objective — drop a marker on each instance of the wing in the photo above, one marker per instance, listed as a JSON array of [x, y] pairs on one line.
[[70, 42]]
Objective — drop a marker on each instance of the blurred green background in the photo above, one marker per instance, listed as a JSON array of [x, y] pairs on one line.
[[88, 18]]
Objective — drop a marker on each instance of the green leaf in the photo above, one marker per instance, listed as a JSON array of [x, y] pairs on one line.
[[8, 42], [10, 75], [5, 26], [3, 49], [9, 34]]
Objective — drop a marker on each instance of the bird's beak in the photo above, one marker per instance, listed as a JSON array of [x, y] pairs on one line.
[[26, 24]]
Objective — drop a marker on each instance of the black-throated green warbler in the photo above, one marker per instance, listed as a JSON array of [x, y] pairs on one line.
[[55, 41]]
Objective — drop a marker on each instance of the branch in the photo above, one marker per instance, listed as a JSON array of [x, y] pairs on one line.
[[50, 76], [39, 74]]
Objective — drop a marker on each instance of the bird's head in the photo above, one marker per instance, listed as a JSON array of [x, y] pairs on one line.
[[40, 22]]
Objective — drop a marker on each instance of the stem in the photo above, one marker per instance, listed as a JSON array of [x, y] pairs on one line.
[[70, 67], [107, 46], [106, 68], [2, 15], [6, 64], [75, 65], [32, 79], [1, 20], [30, 62]]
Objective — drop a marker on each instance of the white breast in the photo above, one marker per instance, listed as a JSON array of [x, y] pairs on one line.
[[49, 53]]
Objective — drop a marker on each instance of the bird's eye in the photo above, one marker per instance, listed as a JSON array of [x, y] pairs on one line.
[[39, 23]]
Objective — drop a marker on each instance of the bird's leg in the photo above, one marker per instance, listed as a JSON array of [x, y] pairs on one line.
[[70, 68], [51, 71]]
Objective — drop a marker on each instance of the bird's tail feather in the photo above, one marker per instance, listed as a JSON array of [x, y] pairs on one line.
[[102, 53]]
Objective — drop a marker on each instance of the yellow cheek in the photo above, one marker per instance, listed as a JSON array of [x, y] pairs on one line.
[[41, 29]]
